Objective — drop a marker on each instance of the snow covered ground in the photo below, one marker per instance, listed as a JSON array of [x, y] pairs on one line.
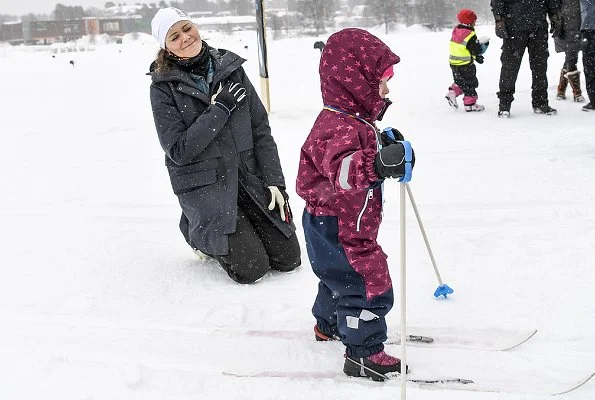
[[100, 297]]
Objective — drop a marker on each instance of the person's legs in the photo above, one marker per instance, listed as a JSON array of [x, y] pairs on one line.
[[246, 260], [283, 252], [588, 48], [571, 60], [562, 83], [453, 90], [325, 309], [574, 75], [330, 265], [513, 50], [466, 78], [342, 300], [538, 54]]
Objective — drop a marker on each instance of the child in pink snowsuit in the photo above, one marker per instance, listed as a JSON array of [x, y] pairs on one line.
[[342, 165], [464, 49]]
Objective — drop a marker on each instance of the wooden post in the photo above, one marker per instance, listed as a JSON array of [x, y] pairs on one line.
[[262, 54]]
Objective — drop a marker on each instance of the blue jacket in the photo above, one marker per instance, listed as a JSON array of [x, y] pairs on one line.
[[587, 15]]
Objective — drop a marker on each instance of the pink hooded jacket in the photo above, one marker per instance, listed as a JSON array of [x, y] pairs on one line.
[[336, 174]]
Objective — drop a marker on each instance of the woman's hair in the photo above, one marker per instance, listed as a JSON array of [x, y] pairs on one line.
[[163, 63]]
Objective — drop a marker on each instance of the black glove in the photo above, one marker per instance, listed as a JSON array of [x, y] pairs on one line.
[[501, 30], [386, 140], [229, 96], [390, 161], [479, 59], [556, 28]]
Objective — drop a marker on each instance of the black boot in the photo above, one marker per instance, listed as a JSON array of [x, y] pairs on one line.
[[545, 109], [375, 366]]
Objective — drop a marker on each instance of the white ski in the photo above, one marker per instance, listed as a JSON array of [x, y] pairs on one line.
[[488, 340], [447, 383], [452, 343], [335, 375]]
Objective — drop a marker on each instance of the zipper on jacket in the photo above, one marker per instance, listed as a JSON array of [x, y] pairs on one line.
[[361, 213]]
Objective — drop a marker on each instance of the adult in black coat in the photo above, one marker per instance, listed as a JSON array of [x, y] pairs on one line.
[[522, 24], [221, 158], [569, 43], [588, 48]]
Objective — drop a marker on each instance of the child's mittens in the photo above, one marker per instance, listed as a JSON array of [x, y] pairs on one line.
[[479, 59], [390, 135], [390, 161]]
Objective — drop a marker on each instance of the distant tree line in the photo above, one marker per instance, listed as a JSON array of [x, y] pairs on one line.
[[434, 14], [62, 12], [316, 15]]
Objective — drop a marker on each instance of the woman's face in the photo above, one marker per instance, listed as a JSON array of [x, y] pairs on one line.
[[383, 87], [183, 39]]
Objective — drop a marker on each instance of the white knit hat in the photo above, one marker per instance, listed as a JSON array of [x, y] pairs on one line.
[[165, 19]]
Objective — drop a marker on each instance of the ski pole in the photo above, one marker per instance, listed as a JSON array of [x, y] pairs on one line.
[[402, 224], [443, 289], [403, 185]]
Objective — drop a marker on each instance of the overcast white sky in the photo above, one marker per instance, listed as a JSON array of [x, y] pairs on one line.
[[21, 7]]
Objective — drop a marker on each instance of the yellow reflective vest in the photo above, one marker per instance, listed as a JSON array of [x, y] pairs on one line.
[[459, 55]]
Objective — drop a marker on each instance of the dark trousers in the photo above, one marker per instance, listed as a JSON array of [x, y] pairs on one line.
[[513, 50], [465, 76], [570, 60], [341, 305], [257, 246], [588, 44]]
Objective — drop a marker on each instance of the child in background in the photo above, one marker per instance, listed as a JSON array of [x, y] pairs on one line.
[[464, 49], [340, 174]]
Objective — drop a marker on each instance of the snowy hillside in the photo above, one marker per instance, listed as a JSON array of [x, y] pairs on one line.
[[100, 297]]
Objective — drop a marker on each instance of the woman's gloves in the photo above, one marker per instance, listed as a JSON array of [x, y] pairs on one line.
[[280, 199], [229, 96]]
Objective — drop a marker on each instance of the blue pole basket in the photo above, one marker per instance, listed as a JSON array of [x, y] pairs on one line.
[[443, 290]]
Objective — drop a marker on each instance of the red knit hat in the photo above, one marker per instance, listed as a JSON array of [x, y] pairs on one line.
[[466, 16]]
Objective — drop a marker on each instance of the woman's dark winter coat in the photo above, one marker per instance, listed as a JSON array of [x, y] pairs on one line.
[[570, 16], [209, 153]]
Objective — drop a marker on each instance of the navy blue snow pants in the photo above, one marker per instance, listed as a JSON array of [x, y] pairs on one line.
[[341, 306]]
